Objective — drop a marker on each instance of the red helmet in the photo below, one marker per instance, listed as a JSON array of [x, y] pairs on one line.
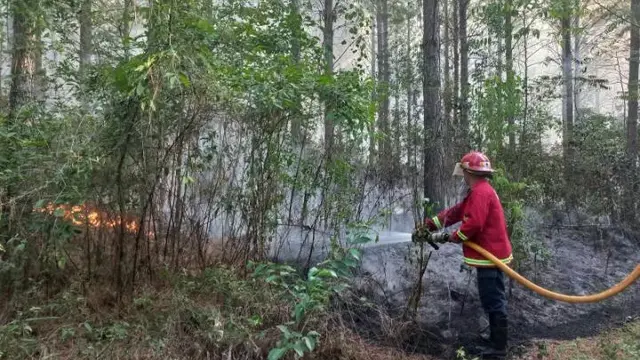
[[473, 162]]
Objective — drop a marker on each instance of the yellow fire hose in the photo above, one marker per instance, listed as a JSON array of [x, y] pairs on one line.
[[626, 282]]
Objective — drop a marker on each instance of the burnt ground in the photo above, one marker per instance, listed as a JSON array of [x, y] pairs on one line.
[[582, 261]]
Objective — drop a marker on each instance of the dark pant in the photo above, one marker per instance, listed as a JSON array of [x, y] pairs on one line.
[[494, 302], [491, 287]]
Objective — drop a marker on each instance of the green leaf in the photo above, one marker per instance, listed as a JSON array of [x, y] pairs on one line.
[[299, 312], [300, 348], [277, 353], [255, 320], [140, 89], [360, 239], [327, 273], [58, 212], [313, 272], [310, 342], [184, 80], [285, 331]]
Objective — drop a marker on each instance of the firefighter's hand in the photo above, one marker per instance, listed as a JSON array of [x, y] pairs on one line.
[[420, 234]]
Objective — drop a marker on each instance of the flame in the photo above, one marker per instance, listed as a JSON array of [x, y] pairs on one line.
[[83, 215]]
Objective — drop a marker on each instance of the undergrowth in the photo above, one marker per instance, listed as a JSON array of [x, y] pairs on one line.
[[261, 311], [193, 316]]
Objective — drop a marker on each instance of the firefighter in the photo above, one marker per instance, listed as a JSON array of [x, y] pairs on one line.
[[484, 223]]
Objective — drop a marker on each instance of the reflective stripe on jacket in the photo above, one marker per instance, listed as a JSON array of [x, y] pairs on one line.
[[483, 222]]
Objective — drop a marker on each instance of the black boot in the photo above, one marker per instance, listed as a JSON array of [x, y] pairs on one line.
[[499, 333], [498, 339]]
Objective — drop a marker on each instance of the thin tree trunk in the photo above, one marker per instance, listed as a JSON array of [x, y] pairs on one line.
[[383, 89], [296, 121], [632, 120], [567, 75], [396, 147], [125, 26], [447, 73], [455, 95], [508, 44], [372, 140], [464, 77], [525, 80], [409, 83], [634, 60], [3, 37], [328, 16], [86, 30], [577, 64], [433, 146]]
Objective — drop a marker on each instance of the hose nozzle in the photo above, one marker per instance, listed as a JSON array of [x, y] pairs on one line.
[[421, 234]]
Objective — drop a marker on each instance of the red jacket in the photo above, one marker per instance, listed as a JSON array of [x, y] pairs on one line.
[[482, 222]]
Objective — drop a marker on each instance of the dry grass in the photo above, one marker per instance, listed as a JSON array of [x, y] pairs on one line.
[[618, 344], [206, 316], [344, 345]]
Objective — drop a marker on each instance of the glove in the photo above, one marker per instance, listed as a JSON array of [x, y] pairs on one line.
[[420, 234]]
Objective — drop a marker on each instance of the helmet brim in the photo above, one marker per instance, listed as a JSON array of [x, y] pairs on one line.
[[457, 171]]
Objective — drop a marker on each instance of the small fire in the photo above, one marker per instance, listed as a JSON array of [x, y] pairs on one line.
[[82, 215]]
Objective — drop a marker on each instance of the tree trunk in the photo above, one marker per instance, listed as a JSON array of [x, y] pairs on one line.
[[296, 121], [384, 72], [632, 120], [634, 60], [125, 26], [578, 66], [372, 140], [86, 48], [385, 155], [447, 73], [508, 44], [409, 83], [26, 57], [433, 146], [525, 80], [25, 80], [396, 147], [567, 75], [464, 78], [455, 95], [328, 17]]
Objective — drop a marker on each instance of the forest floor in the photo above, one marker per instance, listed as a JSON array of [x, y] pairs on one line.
[[621, 343], [222, 315]]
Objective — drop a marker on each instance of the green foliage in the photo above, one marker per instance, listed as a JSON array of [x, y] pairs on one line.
[[528, 249], [599, 168], [177, 102], [496, 100], [311, 294]]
